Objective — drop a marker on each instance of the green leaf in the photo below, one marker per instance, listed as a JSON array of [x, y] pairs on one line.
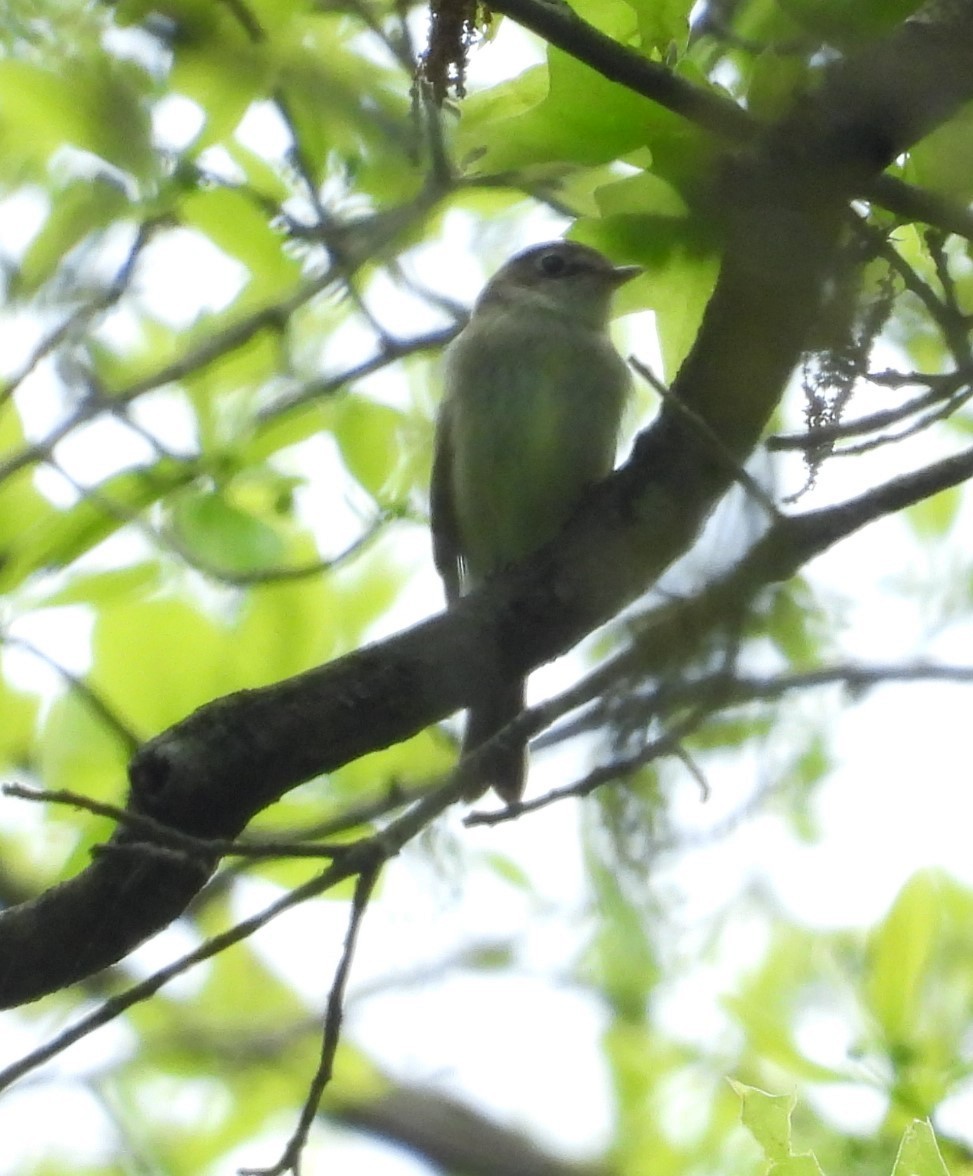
[[271, 436], [344, 106], [680, 261], [83, 753], [662, 23], [845, 22], [764, 1005], [369, 436], [933, 517], [285, 627], [763, 22], [423, 757], [498, 105], [777, 80], [621, 958], [900, 952], [794, 623], [77, 209], [225, 392], [17, 729], [614, 17], [582, 119], [919, 1153], [505, 867], [106, 588], [138, 667], [730, 730], [644, 193], [943, 160], [802, 1165], [262, 178], [768, 1118], [23, 511], [652, 1076], [54, 539], [224, 537], [220, 68], [95, 104]]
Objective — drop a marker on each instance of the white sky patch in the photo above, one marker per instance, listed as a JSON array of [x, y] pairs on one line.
[[188, 276], [176, 121]]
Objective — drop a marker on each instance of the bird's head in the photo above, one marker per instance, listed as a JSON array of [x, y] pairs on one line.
[[562, 278]]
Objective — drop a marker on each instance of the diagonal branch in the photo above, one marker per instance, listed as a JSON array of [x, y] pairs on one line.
[[786, 200]]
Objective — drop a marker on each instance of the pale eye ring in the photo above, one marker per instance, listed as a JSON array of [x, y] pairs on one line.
[[552, 265]]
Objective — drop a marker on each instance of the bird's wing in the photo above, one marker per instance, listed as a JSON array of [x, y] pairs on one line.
[[445, 531]]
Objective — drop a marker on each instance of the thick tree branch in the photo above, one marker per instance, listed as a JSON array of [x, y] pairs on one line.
[[785, 202], [234, 756]]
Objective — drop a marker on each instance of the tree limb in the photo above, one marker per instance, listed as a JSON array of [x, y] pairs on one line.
[[785, 199]]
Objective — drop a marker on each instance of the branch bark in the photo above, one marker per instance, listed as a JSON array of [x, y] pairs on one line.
[[784, 201]]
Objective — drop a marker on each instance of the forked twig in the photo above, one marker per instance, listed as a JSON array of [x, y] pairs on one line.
[[291, 1157]]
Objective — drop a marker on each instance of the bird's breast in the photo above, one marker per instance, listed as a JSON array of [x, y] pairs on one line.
[[535, 415]]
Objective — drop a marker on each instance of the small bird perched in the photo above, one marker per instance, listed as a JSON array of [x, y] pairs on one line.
[[534, 393]]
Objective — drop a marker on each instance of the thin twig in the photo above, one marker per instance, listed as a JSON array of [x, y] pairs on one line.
[[702, 427], [954, 326], [955, 323], [84, 690], [165, 837], [83, 315], [694, 770], [923, 422], [360, 856], [192, 361], [290, 1159], [731, 691], [941, 387], [278, 573], [391, 350], [613, 773]]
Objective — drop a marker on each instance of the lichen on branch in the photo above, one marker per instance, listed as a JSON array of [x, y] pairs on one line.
[[454, 27]]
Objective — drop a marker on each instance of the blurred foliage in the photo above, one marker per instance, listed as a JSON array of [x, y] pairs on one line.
[[229, 244]]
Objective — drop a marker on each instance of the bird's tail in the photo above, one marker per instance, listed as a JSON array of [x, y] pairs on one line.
[[504, 768]]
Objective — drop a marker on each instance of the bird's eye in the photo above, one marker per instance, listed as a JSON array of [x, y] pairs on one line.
[[552, 265]]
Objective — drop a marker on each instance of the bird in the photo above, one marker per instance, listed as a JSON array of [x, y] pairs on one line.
[[534, 392]]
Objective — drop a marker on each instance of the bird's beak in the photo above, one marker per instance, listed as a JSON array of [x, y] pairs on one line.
[[624, 273]]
